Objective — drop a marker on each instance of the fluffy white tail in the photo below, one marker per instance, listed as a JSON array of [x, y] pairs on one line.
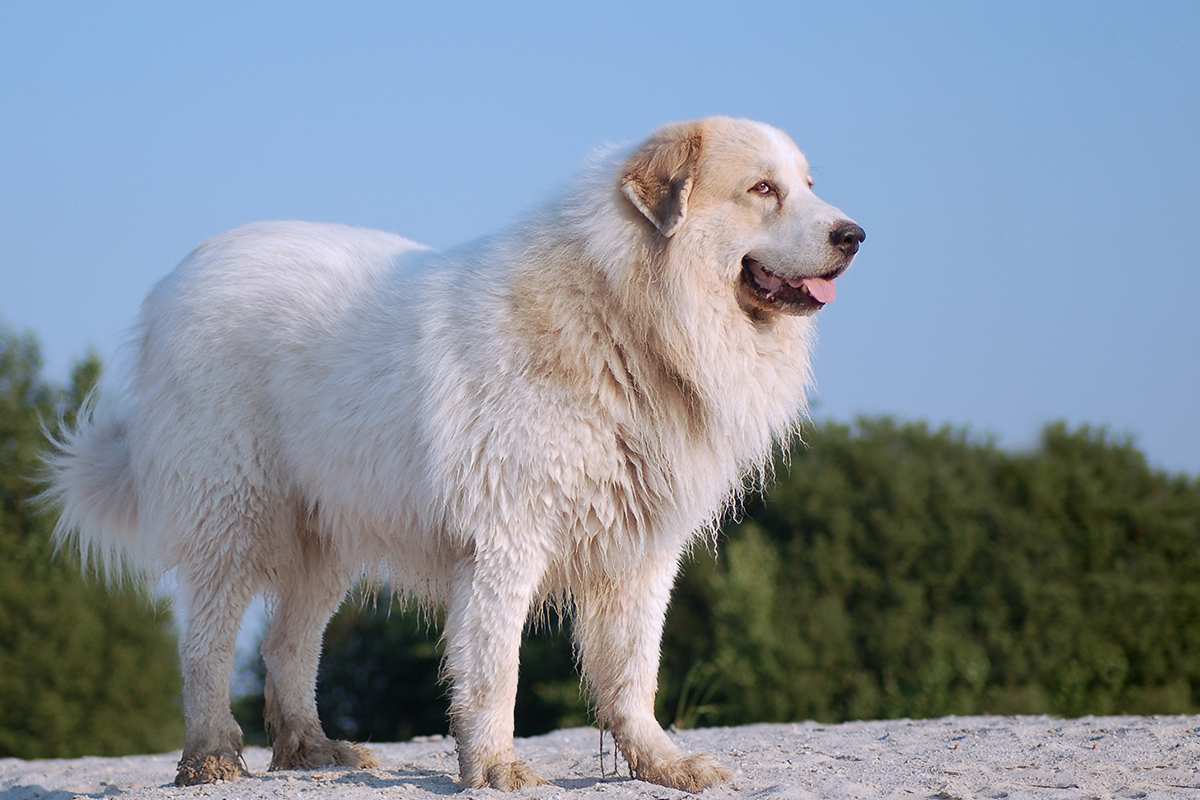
[[90, 479]]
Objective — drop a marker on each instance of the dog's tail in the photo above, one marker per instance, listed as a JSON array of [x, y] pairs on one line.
[[89, 478]]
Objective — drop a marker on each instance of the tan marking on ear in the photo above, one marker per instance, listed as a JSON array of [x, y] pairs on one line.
[[658, 179]]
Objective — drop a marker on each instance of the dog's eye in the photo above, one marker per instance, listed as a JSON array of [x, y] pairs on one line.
[[764, 188]]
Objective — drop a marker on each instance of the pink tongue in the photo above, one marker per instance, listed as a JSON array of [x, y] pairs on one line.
[[823, 291]]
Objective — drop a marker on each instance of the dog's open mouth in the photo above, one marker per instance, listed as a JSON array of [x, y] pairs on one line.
[[789, 295]]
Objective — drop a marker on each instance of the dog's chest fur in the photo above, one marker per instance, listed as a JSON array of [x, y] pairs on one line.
[[653, 443]]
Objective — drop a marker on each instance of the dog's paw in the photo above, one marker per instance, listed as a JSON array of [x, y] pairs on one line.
[[693, 773], [316, 752], [510, 776], [209, 768], [355, 756]]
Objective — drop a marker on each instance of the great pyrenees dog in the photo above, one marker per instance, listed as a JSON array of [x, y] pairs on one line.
[[553, 414]]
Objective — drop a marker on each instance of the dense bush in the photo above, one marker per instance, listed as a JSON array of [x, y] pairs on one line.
[[893, 571], [83, 670], [899, 571]]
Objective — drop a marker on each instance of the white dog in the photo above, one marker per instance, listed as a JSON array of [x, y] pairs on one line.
[[551, 414]]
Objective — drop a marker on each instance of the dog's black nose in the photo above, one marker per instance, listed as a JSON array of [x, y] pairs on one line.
[[846, 236]]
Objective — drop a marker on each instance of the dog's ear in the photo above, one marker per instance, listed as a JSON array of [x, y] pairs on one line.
[[658, 179]]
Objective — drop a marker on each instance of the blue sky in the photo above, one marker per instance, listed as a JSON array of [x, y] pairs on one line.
[[1027, 173]]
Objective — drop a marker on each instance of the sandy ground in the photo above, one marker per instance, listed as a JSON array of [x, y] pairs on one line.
[[955, 757]]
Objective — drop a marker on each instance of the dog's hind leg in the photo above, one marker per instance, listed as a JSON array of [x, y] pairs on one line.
[[618, 626], [215, 591], [308, 594]]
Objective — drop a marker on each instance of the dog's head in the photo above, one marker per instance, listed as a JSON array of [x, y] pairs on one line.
[[739, 195]]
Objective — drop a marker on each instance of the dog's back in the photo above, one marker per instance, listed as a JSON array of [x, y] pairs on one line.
[[234, 341]]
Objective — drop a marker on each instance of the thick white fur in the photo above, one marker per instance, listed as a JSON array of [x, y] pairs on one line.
[[556, 412]]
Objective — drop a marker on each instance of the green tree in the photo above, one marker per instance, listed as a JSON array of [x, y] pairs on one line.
[[83, 670], [901, 571]]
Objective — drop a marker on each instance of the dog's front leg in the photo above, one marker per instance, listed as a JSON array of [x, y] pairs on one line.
[[490, 600], [619, 629]]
